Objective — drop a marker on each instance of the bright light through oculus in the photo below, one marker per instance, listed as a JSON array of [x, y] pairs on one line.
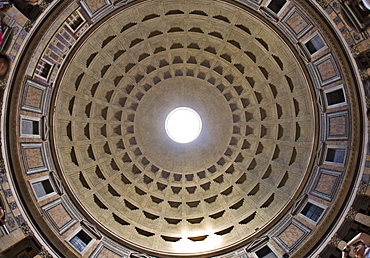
[[183, 125]]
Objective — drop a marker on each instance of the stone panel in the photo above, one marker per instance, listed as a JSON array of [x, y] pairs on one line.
[[337, 126], [34, 158], [35, 97], [325, 183], [291, 234], [60, 214], [297, 23], [326, 70]]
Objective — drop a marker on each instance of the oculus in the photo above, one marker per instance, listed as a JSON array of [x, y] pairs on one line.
[[183, 125]]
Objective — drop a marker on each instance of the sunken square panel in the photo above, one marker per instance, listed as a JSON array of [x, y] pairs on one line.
[[297, 23], [326, 70], [60, 215], [337, 126], [325, 183], [291, 234], [35, 97], [34, 157]]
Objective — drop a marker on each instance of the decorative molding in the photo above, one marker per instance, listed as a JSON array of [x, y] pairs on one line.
[[255, 4], [240, 254], [26, 229], [303, 52], [298, 204], [45, 128], [138, 255], [351, 214], [269, 14], [257, 243], [320, 148], [92, 228], [57, 182], [319, 100], [41, 102], [96, 15]]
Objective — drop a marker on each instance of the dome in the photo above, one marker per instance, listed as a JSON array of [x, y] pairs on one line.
[[110, 113], [270, 168]]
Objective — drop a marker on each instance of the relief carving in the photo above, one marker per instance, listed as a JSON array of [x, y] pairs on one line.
[[26, 229], [334, 241], [322, 3], [44, 253], [351, 214]]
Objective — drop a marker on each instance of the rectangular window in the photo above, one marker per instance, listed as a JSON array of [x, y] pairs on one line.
[[315, 44], [335, 97], [80, 240], [312, 211], [43, 69], [30, 127], [276, 5], [76, 23], [42, 188], [265, 252], [75, 20], [335, 155]]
